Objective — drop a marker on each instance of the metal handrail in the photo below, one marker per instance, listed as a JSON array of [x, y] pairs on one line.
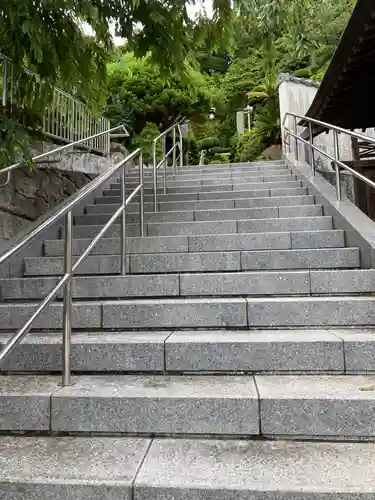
[[313, 148], [59, 149], [69, 266], [176, 127], [66, 119]]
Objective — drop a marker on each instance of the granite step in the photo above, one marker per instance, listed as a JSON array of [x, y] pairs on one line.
[[266, 201], [216, 194], [134, 313], [335, 351], [276, 406], [207, 215], [205, 243], [241, 226], [223, 312], [279, 175], [69, 468], [272, 183], [330, 258], [182, 469], [163, 469], [153, 404]]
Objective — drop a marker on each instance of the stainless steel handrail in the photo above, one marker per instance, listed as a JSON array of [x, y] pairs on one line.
[[60, 149], [176, 127], [66, 118], [313, 148], [69, 266]]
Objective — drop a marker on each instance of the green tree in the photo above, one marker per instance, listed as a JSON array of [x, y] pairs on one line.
[[139, 92]]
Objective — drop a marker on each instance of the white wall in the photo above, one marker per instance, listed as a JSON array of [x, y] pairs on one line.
[[296, 97]]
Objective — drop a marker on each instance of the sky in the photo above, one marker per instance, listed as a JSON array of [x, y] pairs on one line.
[[192, 10]]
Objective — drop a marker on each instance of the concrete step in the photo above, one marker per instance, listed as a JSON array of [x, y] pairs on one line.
[[201, 313], [273, 183], [215, 195], [87, 231], [43, 468], [205, 243], [233, 203], [311, 311], [309, 406], [211, 283], [207, 215], [99, 352], [209, 227], [274, 176], [242, 226], [265, 200], [215, 351], [321, 258], [221, 405], [181, 469], [135, 314]]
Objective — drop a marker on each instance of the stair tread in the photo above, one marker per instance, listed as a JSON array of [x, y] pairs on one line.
[[229, 470]]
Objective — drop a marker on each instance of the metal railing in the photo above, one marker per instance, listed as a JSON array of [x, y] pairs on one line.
[[66, 118], [335, 158], [172, 130], [58, 150], [69, 266]]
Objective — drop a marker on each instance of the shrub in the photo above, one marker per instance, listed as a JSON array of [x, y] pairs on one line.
[[216, 150], [249, 146], [208, 143], [144, 141]]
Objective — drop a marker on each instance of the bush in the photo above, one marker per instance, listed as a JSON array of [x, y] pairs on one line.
[[208, 143], [190, 145], [216, 150], [249, 146], [144, 141], [303, 73]]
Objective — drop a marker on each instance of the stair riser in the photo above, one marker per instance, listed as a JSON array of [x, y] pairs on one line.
[[186, 204], [194, 352], [232, 405], [230, 204], [247, 226], [197, 188], [170, 244], [173, 184], [217, 195], [205, 262], [201, 313], [206, 215]]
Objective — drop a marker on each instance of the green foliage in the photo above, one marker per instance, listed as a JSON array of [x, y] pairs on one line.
[[249, 146], [140, 93], [190, 145], [216, 150], [208, 142], [145, 141]]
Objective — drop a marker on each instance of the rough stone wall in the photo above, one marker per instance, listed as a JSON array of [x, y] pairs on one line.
[[31, 193]]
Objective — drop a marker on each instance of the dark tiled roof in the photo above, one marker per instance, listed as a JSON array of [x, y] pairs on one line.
[[346, 96]]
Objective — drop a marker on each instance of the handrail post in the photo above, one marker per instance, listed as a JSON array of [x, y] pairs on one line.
[[142, 197], [174, 150], [312, 152], [5, 82], [337, 168], [165, 164], [296, 140], [154, 158], [67, 312], [123, 221], [181, 147]]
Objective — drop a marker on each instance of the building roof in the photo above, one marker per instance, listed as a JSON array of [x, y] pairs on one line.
[[346, 95]]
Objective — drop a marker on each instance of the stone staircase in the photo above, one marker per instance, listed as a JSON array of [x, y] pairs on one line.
[[233, 362]]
